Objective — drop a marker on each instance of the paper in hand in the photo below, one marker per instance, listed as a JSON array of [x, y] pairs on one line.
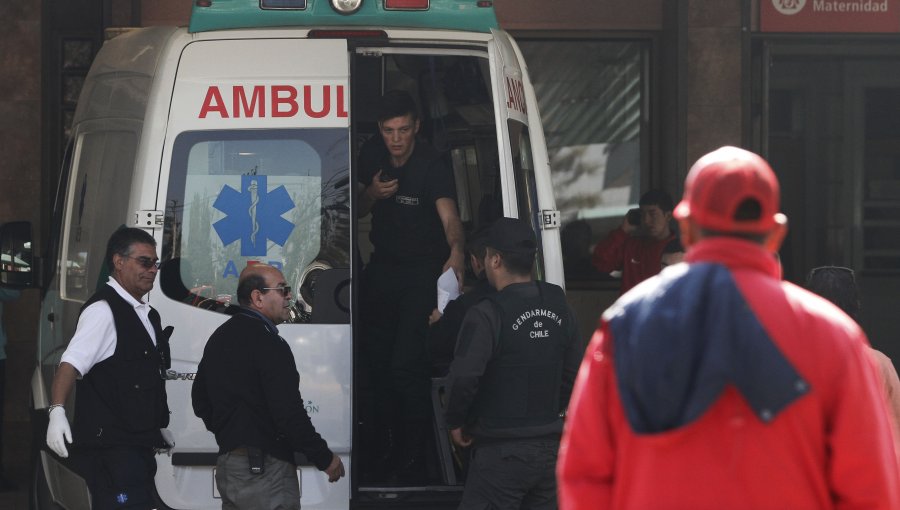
[[447, 289]]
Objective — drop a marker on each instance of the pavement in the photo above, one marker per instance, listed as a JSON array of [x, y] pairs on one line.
[[18, 468]]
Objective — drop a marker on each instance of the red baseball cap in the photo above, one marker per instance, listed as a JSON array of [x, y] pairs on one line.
[[721, 181]]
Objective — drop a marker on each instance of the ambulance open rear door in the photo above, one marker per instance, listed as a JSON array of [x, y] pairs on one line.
[[527, 188]]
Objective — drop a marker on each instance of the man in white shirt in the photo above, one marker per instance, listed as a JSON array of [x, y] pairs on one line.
[[116, 360]]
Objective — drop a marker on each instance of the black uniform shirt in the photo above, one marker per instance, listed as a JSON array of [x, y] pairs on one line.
[[479, 343], [406, 227]]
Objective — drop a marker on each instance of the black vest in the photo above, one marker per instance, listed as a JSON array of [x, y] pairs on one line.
[[521, 384], [122, 400]]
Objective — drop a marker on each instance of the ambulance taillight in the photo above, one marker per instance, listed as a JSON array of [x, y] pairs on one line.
[[406, 5]]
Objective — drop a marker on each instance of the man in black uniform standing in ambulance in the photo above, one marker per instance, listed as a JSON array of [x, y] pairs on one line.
[[417, 234], [515, 363]]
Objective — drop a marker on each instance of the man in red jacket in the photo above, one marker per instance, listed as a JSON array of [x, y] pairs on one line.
[[636, 249], [716, 385]]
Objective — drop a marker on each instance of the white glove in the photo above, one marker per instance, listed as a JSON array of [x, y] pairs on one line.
[[169, 438], [58, 432]]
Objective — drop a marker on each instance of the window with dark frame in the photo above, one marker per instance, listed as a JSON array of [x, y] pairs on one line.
[[592, 96]]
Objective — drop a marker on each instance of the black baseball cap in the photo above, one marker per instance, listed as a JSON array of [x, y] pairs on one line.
[[511, 235]]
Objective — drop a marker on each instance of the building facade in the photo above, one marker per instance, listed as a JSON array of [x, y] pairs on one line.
[[631, 92]]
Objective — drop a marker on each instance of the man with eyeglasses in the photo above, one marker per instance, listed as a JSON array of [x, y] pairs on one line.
[[247, 393], [717, 385], [116, 361]]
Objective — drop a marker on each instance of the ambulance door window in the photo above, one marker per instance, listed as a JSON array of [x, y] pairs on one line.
[[278, 197], [594, 99], [526, 187], [98, 201], [57, 219]]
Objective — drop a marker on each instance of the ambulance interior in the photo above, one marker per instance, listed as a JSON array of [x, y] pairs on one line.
[[453, 92], [457, 118]]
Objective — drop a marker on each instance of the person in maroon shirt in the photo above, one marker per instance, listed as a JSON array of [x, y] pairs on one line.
[[636, 249]]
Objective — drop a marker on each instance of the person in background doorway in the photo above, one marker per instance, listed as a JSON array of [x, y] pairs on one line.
[[718, 385], [5, 295], [512, 373], [635, 248], [118, 357], [444, 328], [838, 285], [416, 235], [575, 238]]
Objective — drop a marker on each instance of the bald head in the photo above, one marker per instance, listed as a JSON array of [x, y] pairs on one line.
[[261, 287]]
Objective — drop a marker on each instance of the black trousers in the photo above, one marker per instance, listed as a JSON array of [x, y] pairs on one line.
[[118, 477], [397, 300], [515, 474]]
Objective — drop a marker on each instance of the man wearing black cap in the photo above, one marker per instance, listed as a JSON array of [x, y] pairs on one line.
[[717, 385], [444, 327], [516, 357]]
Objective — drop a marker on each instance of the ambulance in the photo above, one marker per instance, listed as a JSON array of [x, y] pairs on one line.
[[234, 141]]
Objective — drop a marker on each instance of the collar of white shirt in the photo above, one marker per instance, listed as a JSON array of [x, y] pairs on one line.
[[124, 293]]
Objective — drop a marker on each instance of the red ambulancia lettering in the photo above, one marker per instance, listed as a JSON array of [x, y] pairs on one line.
[[258, 98], [515, 96], [291, 101], [307, 102], [342, 112], [213, 103], [251, 102]]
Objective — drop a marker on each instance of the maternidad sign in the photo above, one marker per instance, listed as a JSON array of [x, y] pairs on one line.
[[849, 16]]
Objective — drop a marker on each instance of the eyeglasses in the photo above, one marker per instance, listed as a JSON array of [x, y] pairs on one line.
[[146, 262], [284, 290]]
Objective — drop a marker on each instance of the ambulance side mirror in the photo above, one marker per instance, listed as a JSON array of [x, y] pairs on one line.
[[16, 256]]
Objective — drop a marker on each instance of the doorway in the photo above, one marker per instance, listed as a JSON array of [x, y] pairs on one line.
[[831, 131]]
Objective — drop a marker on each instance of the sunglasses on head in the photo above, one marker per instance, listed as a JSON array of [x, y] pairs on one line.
[[146, 262]]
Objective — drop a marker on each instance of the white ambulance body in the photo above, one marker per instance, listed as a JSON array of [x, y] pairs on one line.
[[238, 145]]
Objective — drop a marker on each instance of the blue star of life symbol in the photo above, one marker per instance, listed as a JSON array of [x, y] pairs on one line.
[[253, 215]]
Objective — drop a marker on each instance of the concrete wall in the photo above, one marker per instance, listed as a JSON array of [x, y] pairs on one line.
[[20, 199], [632, 15], [713, 75], [165, 12], [20, 176]]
